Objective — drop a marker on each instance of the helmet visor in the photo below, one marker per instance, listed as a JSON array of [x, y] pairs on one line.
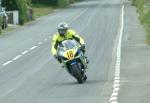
[[62, 32]]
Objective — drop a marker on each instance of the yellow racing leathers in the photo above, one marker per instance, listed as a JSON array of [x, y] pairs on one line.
[[70, 34]]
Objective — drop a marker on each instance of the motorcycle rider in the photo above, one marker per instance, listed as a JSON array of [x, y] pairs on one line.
[[65, 33]]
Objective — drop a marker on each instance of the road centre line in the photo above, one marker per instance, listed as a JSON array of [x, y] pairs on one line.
[[6, 63], [26, 51], [17, 57], [33, 47]]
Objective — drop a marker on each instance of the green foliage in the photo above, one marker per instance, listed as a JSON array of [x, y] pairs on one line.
[[20, 5], [143, 7], [9, 4], [52, 2], [1, 19], [60, 3], [63, 3], [41, 10]]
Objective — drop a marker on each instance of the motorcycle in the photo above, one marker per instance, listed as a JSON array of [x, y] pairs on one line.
[[73, 59]]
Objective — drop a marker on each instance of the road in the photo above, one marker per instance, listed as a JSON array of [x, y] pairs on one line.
[[30, 74]]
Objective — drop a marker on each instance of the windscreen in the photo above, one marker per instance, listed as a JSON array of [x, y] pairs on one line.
[[67, 44]]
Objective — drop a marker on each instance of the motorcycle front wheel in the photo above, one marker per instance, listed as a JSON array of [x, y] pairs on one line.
[[78, 73]]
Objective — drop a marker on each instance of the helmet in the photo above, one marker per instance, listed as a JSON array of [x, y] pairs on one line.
[[62, 28]]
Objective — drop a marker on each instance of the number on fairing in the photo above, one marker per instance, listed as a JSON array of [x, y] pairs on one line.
[[70, 54]]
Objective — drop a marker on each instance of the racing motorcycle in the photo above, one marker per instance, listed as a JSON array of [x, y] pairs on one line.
[[73, 59]]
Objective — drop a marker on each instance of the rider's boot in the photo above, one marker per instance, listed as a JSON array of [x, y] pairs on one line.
[[87, 60]]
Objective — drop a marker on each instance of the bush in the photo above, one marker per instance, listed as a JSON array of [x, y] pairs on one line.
[[9, 4], [144, 15], [20, 5], [1, 20], [63, 3], [51, 2], [60, 3]]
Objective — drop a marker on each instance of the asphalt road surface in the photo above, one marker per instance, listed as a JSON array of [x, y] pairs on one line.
[[30, 74]]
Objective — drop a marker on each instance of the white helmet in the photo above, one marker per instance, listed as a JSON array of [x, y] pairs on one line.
[[62, 28]]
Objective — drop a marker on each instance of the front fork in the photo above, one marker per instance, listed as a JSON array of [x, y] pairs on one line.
[[83, 60], [83, 64]]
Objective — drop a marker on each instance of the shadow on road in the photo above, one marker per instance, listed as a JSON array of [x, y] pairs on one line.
[[76, 83]]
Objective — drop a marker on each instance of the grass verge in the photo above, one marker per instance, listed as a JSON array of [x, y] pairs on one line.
[[143, 8], [41, 10], [9, 29]]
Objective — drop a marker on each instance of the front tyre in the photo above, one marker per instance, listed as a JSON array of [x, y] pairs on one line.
[[78, 73], [80, 81]]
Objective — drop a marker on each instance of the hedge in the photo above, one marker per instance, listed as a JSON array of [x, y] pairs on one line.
[[20, 5], [1, 19], [143, 8], [59, 3]]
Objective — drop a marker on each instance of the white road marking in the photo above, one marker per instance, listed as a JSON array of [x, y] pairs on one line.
[[113, 99], [17, 57], [117, 75], [40, 43], [33, 47], [114, 94], [117, 78], [116, 86], [117, 70], [45, 39], [6, 63], [116, 89], [116, 81], [26, 51]]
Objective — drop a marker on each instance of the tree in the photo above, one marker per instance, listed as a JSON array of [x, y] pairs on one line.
[[20, 5], [50, 2], [9, 4], [63, 3]]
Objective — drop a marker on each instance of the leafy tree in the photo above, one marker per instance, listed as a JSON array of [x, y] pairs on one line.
[[51, 2], [20, 5], [1, 19], [63, 3]]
